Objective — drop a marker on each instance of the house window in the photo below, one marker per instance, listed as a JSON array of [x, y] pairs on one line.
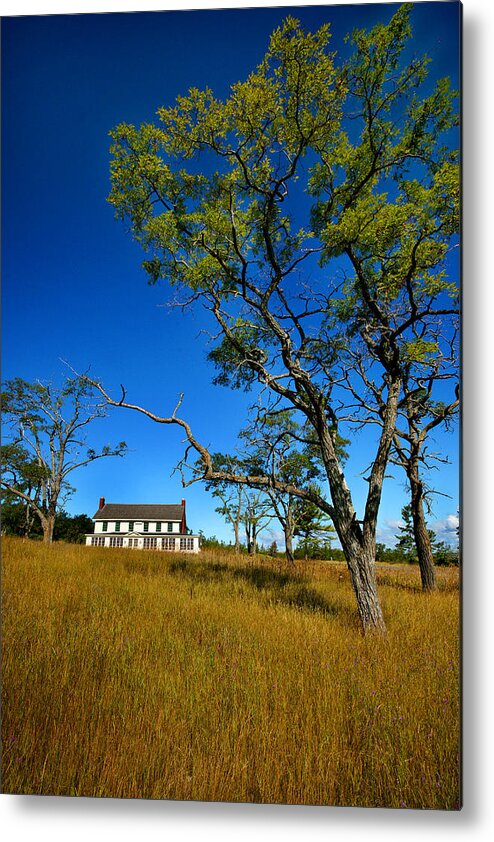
[[186, 543], [150, 543], [131, 526], [116, 541], [169, 527], [168, 544], [117, 526], [98, 542], [158, 527], [146, 527], [105, 526]]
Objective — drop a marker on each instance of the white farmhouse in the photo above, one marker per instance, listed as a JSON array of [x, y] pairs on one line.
[[144, 527]]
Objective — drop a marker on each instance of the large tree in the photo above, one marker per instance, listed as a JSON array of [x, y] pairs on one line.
[[45, 441], [307, 170]]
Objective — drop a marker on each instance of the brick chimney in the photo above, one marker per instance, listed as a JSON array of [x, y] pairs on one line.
[[101, 502]]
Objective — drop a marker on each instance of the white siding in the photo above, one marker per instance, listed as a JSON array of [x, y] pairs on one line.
[[152, 527], [165, 543], [138, 527]]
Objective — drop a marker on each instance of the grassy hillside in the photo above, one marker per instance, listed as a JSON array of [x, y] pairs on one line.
[[135, 674]]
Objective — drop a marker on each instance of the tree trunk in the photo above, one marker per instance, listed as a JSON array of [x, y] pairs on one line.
[[289, 543], [359, 543], [360, 552], [28, 523], [420, 531], [247, 535], [362, 567], [48, 525], [250, 534], [237, 521], [237, 539]]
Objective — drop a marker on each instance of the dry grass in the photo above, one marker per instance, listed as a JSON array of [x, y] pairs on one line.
[[141, 675]]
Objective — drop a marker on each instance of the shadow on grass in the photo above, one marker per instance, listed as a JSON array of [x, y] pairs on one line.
[[281, 587]]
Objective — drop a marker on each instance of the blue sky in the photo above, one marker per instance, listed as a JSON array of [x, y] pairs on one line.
[[73, 287]]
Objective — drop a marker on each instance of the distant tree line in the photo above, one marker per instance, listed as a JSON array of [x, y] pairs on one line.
[[320, 549]]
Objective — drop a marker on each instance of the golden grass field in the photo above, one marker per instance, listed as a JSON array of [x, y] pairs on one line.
[[143, 675]]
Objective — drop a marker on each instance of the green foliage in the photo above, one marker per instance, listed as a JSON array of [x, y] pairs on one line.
[[406, 541], [277, 445], [230, 357], [213, 543], [406, 551], [419, 350], [391, 555], [257, 136], [72, 528], [316, 549], [314, 530], [25, 465], [444, 555], [17, 519]]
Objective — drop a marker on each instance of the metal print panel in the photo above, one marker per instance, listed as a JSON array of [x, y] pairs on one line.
[[230, 405]]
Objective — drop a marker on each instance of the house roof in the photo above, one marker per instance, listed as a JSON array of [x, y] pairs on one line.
[[141, 511]]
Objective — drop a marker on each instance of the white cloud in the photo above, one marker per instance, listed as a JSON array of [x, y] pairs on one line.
[[453, 522], [387, 534], [271, 535], [445, 528], [394, 524]]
